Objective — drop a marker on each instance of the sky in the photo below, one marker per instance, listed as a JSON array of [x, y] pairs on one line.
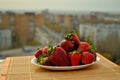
[[76, 5]]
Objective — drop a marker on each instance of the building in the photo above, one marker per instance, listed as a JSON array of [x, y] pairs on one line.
[[39, 20], [5, 38], [5, 21], [67, 20], [106, 37], [0, 20], [22, 25], [22, 28], [59, 18], [31, 23]]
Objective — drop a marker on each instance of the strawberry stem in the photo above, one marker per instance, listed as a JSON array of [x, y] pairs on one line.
[[93, 47], [38, 48], [42, 59], [79, 51], [89, 41], [68, 36], [50, 49]]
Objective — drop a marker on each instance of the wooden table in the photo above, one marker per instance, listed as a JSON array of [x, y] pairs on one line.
[[20, 68]]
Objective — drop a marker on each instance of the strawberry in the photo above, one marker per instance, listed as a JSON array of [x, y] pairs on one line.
[[38, 53], [74, 38], [45, 50], [84, 46], [59, 57], [87, 57], [48, 63], [44, 60], [67, 45], [41, 51], [75, 58]]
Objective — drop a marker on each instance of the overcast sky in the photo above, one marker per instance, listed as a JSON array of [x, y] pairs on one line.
[[78, 5]]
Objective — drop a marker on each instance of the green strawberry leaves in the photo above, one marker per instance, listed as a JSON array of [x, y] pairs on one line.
[[92, 47], [89, 41], [42, 59], [68, 36], [50, 49]]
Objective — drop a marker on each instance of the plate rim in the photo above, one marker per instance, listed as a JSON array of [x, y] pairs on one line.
[[33, 61]]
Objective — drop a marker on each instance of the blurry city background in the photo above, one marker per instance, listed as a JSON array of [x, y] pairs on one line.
[[23, 31]]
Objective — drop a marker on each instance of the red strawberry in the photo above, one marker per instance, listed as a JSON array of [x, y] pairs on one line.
[[87, 57], [74, 38], [84, 46], [75, 58], [59, 57], [44, 57], [38, 53], [45, 50], [67, 45], [48, 63]]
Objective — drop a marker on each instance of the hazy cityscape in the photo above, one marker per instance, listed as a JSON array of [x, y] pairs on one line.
[[29, 29], [21, 33]]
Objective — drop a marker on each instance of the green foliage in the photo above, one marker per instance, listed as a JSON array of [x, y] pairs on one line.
[[33, 42], [107, 55], [54, 27], [1, 49], [59, 28]]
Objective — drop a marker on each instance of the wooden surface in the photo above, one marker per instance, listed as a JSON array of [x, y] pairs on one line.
[[1, 65], [20, 68]]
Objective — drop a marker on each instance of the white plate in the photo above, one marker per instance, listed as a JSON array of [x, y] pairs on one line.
[[34, 61]]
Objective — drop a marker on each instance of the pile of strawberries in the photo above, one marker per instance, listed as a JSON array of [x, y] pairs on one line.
[[69, 52]]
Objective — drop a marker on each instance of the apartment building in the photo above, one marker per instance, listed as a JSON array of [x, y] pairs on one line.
[[59, 18], [22, 28], [106, 37], [23, 24], [5, 38], [67, 20], [39, 20], [5, 21], [0, 19]]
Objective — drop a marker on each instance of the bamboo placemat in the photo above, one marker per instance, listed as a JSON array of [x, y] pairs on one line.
[[20, 68]]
